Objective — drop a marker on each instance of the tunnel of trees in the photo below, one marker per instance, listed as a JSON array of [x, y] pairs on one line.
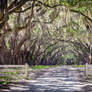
[[45, 32]]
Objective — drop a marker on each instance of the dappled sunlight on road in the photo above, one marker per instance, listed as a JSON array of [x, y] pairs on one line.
[[58, 79]]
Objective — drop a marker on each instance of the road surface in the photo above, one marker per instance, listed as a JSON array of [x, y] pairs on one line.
[[57, 79]]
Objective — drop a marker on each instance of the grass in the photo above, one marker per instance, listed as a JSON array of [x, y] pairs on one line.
[[6, 76], [4, 80], [38, 67], [9, 75], [80, 66]]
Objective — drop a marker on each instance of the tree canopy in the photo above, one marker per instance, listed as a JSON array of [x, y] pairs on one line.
[[45, 31]]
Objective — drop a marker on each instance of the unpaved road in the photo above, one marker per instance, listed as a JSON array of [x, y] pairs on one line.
[[57, 79]]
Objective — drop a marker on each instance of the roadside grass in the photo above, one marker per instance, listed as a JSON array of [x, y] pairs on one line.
[[4, 82], [38, 67], [80, 66], [14, 75], [9, 75], [5, 78]]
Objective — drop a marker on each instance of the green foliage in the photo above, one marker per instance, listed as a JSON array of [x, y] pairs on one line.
[[72, 2], [69, 56], [11, 73], [64, 2], [5, 78], [33, 58], [49, 2], [82, 9], [49, 12], [36, 30], [38, 67], [3, 82], [8, 45], [49, 49], [72, 32], [80, 66]]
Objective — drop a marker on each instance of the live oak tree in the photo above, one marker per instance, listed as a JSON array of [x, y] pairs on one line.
[[40, 20]]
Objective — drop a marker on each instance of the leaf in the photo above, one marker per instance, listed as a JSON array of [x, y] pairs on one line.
[[49, 49]]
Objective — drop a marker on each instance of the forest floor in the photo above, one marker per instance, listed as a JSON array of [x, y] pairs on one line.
[[54, 79]]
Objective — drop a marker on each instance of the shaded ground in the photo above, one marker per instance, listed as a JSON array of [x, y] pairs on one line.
[[57, 79]]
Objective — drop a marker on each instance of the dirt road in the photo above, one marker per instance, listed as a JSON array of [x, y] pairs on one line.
[[57, 79]]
